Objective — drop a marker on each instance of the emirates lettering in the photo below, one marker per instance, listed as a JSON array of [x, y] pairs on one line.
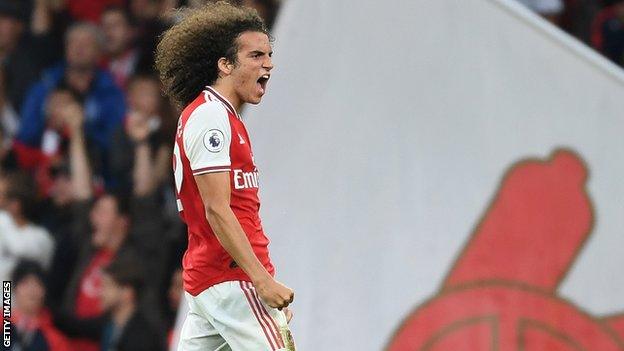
[[245, 180]]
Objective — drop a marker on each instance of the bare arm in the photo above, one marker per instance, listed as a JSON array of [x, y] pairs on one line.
[[40, 21], [162, 164], [79, 164], [215, 192], [142, 172], [143, 178]]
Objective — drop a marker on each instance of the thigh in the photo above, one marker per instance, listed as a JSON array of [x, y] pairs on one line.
[[198, 334], [244, 321]]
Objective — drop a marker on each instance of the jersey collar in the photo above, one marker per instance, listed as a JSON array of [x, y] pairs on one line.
[[225, 102]]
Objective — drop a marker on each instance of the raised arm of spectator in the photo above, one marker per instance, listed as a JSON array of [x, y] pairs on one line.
[[41, 20], [45, 46], [138, 130], [79, 163]]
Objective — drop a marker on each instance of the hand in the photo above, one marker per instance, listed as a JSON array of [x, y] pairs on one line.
[[137, 127], [288, 313], [73, 116], [274, 293]]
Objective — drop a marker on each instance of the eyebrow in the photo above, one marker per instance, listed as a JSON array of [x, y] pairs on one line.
[[261, 52]]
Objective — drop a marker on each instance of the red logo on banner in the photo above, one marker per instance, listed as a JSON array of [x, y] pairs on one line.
[[501, 293]]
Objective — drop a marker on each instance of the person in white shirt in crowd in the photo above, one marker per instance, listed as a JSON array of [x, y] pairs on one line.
[[20, 238]]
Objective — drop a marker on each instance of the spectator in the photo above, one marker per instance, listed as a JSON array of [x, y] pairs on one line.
[[20, 238], [112, 226], [67, 113], [122, 57], [104, 104], [127, 329], [32, 323], [149, 128], [59, 212], [24, 51], [608, 32]]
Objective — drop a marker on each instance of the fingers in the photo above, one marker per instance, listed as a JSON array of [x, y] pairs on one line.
[[277, 296], [282, 302], [292, 297]]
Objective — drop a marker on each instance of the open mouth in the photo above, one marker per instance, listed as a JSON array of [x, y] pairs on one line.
[[262, 81]]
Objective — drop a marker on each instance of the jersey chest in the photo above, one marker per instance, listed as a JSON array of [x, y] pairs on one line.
[[244, 172]]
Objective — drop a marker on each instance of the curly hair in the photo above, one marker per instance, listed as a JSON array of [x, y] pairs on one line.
[[188, 53]]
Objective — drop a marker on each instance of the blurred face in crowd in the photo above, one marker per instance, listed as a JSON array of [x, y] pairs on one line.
[[107, 221], [82, 49], [10, 205], [144, 96], [4, 202], [112, 294], [145, 9], [10, 32], [117, 32], [30, 294], [61, 191]]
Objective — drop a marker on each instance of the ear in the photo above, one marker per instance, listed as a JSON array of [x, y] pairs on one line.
[[225, 67]]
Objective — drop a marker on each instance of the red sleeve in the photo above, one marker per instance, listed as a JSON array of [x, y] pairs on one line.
[[28, 157]]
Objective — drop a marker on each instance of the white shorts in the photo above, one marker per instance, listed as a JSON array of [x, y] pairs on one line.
[[231, 316]]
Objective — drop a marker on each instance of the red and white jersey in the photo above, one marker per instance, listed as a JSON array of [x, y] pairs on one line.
[[211, 137]]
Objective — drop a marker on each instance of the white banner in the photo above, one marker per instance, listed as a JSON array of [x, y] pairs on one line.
[[382, 145]]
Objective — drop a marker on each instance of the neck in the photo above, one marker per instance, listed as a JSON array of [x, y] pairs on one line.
[[227, 91], [121, 314]]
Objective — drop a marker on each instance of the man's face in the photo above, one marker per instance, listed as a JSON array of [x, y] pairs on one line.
[[30, 294], [144, 96], [252, 72], [117, 32], [10, 32], [81, 49], [104, 218], [61, 191], [111, 293]]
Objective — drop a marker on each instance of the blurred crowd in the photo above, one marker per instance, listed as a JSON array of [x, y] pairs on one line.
[[89, 231]]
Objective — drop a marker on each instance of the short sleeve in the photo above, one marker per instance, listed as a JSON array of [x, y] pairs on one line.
[[206, 137]]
